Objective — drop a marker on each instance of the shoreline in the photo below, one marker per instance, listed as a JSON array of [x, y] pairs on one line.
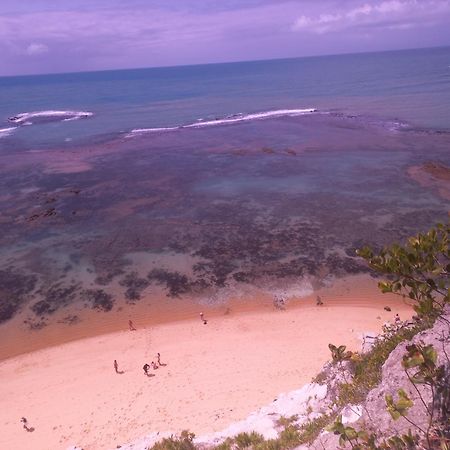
[[19, 339], [233, 365]]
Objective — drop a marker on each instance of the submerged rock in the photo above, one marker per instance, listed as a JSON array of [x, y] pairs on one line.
[[15, 288]]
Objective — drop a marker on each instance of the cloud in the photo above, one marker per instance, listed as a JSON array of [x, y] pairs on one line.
[[131, 31], [40, 35], [389, 14], [36, 48]]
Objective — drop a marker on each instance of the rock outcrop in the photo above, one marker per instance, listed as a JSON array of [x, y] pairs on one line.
[[372, 415]]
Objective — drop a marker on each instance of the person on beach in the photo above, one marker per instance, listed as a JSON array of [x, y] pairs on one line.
[[131, 326], [116, 366], [397, 319], [25, 425], [154, 366], [146, 367], [158, 359], [319, 301], [202, 317]]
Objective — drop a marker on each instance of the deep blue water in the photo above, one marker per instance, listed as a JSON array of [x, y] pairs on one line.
[[411, 86]]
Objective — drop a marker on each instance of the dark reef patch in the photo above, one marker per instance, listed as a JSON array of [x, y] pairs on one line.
[[176, 283], [135, 285], [216, 271], [98, 299], [15, 290], [56, 296]]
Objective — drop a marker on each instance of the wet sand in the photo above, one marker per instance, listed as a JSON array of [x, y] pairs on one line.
[[215, 373]]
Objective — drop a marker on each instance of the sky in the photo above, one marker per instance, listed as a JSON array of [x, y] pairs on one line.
[[46, 36]]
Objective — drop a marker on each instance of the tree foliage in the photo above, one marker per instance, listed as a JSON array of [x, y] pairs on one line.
[[419, 270]]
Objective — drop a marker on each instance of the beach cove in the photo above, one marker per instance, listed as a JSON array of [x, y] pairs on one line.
[[234, 193], [216, 373]]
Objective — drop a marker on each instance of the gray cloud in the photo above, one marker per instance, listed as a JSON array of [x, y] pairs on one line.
[[393, 14], [36, 48], [103, 34]]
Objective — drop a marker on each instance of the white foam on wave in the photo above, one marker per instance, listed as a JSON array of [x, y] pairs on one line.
[[255, 116], [151, 130], [6, 131], [25, 117], [235, 118]]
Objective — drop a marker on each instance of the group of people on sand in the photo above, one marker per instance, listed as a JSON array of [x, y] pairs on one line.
[[153, 365]]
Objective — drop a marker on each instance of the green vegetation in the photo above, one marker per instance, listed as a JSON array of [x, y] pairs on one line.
[[420, 271], [419, 363], [182, 442], [366, 368], [339, 354], [290, 437]]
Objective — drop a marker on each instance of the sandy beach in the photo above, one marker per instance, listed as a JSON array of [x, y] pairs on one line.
[[215, 374]]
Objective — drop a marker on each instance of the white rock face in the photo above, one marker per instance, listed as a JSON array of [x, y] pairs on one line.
[[368, 340], [306, 403], [303, 402], [351, 414]]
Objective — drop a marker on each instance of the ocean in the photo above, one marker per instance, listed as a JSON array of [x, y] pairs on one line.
[[411, 85], [213, 182]]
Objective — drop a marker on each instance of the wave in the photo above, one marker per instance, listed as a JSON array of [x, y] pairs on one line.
[[48, 116], [235, 118], [6, 131], [154, 130]]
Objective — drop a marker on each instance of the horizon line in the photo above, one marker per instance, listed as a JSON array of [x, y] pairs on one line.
[[224, 62]]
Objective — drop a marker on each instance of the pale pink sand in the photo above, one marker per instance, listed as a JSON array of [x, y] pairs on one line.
[[215, 374]]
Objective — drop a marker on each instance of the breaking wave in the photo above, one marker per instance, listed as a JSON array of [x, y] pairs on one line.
[[235, 118], [6, 131], [48, 116]]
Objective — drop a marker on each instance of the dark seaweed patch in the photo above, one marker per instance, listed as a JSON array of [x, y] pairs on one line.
[[343, 266], [217, 270], [43, 307], [14, 291], [55, 297], [175, 282], [98, 299], [134, 285], [243, 277]]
